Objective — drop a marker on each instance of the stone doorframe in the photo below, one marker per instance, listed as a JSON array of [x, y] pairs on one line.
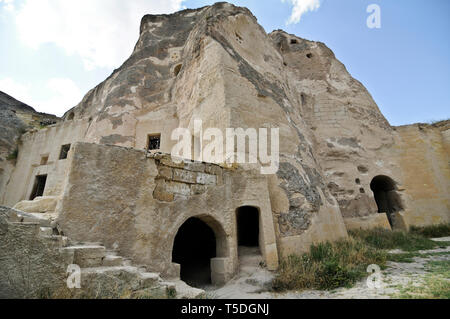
[[267, 239], [222, 269]]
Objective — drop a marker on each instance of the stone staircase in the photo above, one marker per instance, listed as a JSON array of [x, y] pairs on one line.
[[104, 274]]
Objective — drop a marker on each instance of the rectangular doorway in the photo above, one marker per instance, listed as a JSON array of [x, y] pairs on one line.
[[39, 186]]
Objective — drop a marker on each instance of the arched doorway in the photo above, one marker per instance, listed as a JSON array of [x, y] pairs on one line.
[[197, 241], [388, 201], [247, 221]]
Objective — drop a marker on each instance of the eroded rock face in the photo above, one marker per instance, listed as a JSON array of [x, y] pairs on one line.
[[350, 133], [31, 264], [15, 119], [216, 64]]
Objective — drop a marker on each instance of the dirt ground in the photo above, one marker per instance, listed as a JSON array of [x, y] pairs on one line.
[[253, 281]]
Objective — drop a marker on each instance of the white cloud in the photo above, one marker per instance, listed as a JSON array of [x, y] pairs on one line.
[[7, 4], [63, 92], [300, 7], [64, 95], [102, 32], [16, 90]]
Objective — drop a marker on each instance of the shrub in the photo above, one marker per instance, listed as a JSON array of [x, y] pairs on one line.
[[442, 230], [328, 266], [13, 155], [386, 239]]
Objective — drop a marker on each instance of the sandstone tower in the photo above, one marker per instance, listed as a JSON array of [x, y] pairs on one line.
[[103, 173]]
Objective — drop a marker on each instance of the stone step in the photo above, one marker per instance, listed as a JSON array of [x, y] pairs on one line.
[[110, 252], [84, 244], [87, 256], [127, 262], [112, 261], [146, 279], [45, 231], [26, 225], [184, 291], [38, 205], [17, 217], [149, 279], [62, 241], [120, 279], [110, 281], [112, 270]]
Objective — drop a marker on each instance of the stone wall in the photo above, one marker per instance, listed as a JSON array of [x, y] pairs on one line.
[[137, 202], [423, 155], [15, 119], [35, 145]]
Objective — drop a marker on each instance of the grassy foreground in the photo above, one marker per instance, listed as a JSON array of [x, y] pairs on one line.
[[341, 264], [328, 266], [436, 283]]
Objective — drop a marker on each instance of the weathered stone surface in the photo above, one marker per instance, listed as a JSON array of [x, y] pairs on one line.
[[15, 119], [184, 176], [38, 205], [216, 64], [367, 222], [206, 179], [34, 265], [152, 221], [31, 265]]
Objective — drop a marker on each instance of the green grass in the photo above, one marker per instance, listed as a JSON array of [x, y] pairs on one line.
[[402, 257], [328, 266], [408, 257], [341, 264], [13, 155], [436, 284], [386, 239], [434, 231], [436, 121]]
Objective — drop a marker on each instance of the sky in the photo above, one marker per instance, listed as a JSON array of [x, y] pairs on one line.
[[52, 52]]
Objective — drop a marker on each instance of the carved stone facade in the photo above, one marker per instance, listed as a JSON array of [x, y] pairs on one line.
[[342, 166]]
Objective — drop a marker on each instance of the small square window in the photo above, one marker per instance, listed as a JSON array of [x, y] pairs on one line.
[[64, 151], [154, 142], [44, 160]]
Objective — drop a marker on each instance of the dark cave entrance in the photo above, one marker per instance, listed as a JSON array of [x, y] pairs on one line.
[[387, 199], [194, 246], [247, 218]]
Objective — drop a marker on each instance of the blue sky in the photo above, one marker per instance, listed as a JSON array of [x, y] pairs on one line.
[[54, 51]]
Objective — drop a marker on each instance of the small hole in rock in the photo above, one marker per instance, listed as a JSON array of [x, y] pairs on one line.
[[303, 98], [293, 41], [177, 69], [361, 190], [358, 181], [362, 169], [309, 55]]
